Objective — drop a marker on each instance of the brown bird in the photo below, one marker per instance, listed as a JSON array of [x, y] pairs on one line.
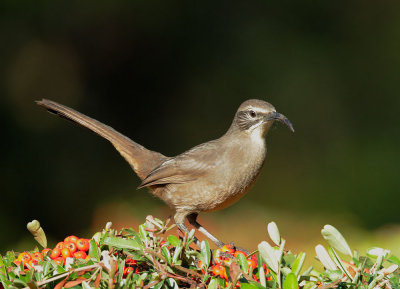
[[208, 177]]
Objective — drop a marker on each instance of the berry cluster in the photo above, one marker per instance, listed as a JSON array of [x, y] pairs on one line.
[[224, 257], [130, 266], [72, 247]]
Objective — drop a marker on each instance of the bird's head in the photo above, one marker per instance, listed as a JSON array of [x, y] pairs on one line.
[[257, 116]]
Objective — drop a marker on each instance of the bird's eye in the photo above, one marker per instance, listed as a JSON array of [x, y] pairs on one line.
[[252, 113]]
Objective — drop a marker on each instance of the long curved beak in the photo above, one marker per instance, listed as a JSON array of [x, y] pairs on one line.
[[279, 117]]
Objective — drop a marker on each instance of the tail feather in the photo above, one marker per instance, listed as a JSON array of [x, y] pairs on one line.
[[142, 160]]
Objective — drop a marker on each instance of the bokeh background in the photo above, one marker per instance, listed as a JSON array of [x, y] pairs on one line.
[[170, 75]]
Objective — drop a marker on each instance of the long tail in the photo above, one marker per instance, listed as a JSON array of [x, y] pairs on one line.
[[142, 160]]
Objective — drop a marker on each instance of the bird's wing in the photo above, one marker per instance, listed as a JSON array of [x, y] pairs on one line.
[[184, 168]]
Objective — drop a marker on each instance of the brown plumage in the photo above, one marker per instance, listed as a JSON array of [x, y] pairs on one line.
[[208, 177]]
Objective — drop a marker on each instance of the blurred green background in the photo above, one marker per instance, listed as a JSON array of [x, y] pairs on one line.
[[170, 75]]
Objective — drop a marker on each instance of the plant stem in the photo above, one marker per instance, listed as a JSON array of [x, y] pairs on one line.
[[66, 274]]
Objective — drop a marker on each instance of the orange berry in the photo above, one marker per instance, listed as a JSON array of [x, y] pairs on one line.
[[82, 244], [65, 252], [36, 258], [200, 265], [60, 245], [219, 270], [130, 262], [70, 246], [226, 261], [59, 261], [71, 238], [37, 255], [238, 252], [24, 257], [252, 263], [55, 253], [228, 248], [127, 270], [45, 251], [79, 255]]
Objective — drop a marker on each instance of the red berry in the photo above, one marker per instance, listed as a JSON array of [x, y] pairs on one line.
[[238, 252], [82, 244], [130, 262], [45, 251], [59, 261], [79, 255], [60, 245], [127, 270], [24, 257], [37, 257], [72, 247], [55, 253], [219, 270], [228, 248], [71, 238], [65, 252], [252, 263]]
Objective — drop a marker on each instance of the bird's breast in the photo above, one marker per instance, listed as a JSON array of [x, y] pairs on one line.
[[234, 177]]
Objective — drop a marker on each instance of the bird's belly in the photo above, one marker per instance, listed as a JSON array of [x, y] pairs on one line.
[[226, 202]]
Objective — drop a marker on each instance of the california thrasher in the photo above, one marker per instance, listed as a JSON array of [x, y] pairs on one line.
[[208, 177]]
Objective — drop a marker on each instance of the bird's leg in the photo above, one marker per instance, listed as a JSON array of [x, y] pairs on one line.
[[179, 218], [192, 220]]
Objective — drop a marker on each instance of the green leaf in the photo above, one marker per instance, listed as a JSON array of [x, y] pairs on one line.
[[171, 283], [338, 262], [394, 260], [243, 263], [85, 285], [97, 237], [324, 258], [290, 282], [251, 285], [3, 272], [269, 256], [261, 275], [122, 243], [205, 254], [173, 240], [375, 252], [94, 250], [274, 233], [158, 285], [143, 233], [298, 263], [213, 284], [177, 252], [336, 240], [165, 252]]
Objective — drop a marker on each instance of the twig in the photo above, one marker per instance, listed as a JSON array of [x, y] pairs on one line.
[[180, 268], [66, 274], [331, 285], [151, 284]]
